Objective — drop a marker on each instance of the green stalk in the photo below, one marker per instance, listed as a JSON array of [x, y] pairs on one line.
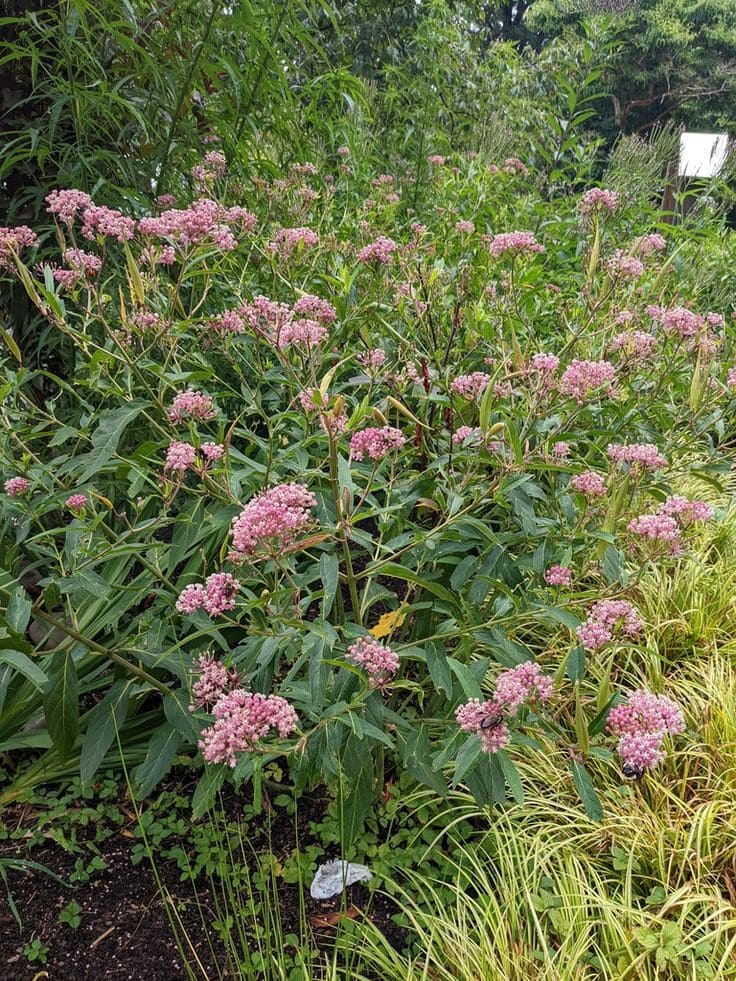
[[342, 531]]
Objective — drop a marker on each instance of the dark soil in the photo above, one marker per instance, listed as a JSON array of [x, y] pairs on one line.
[[125, 933]]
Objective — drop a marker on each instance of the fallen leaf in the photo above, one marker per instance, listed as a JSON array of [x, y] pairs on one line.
[[388, 622]]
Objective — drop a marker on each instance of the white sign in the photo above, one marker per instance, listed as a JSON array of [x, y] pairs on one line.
[[702, 154]]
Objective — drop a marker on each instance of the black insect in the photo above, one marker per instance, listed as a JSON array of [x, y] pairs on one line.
[[632, 772], [492, 720]]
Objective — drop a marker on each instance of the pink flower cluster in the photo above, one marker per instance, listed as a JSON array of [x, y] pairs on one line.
[[561, 449], [641, 457], [599, 199], [514, 243], [466, 432], [660, 531], [545, 363], [678, 321], [590, 484], [375, 442], [76, 503], [180, 457], [581, 378], [684, 511], [213, 682], [470, 386], [372, 360], [12, 242], [191, 405], [608, 619], [215, 596], [17, 486], [214, 165], [381, 251], [273, 519], [301, 333], [625, 267], [649, 245], [635, 345], [242, 720], [464, 227], [288, 240], [66, 204], [558, 575], [641, 725], [203, 221], [378, 661], [314, 306], [80, 264], [107, 222], [516, 687]]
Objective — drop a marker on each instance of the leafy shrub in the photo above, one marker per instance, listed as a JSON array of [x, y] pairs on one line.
[[334, 469]]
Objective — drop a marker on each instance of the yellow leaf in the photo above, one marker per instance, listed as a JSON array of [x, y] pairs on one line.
[[388, 622]]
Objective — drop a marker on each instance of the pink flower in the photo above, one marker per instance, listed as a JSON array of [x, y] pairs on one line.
[[581, 378], [273, 519], [635, 345], [660, 530], [512, 165], [203, 221], [288, 240], [436, 159], [608, 619], [242, 720], [686, 512], [640, 457], [314, 306], [214, 165], [12, 242], [375, 443], [558, 575], [599, 199], [301, 333], [590, 484], [485, 720], [381, 251], [731, 378], [521, 685], [466, 432], [649, 244], [373, 360], [76, 503], [514, 243], [214, 681], [190, 404], [108, 222], [17, 486], [180, 457], [470, 386], [679, 321], [625, 267], [66, 204], [212, 451], [378, 661], [216, 595], [641, 724], [562, 450], [464, 227], [545, 363]]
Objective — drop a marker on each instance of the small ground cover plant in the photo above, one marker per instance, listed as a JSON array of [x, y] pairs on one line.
[[334, 490]]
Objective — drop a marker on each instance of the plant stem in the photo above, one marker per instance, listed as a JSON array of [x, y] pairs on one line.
[[342, 531]]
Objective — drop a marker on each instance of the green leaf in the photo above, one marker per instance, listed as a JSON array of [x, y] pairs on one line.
[[61, 703], [105, 721], [25, 666], [469, 684], [85, 581], [468, 755], [586, 790], [511, 775], [439, 668], [329, 568], [415, 756], [354, 804], [18, 612], [161, 753], [575, 666], [106, 437], [206, 790]]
